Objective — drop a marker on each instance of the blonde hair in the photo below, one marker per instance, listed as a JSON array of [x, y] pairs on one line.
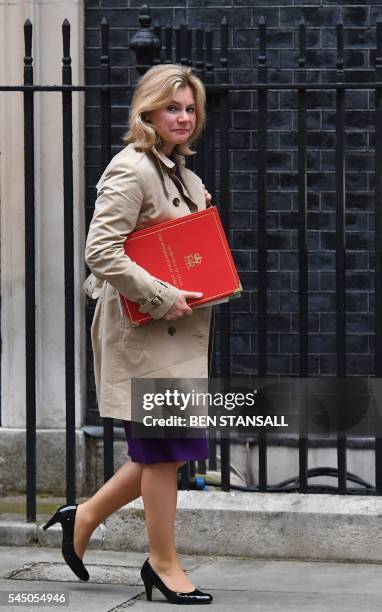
[[154, 90]]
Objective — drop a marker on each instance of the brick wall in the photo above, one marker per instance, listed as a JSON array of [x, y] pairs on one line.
[[282, 18]]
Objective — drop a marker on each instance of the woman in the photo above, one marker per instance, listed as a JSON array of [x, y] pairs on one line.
[[144, 184]]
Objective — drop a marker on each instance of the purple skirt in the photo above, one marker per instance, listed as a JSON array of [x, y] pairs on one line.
[[161, 450]]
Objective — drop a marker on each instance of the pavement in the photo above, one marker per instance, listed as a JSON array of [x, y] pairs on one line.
[[239, 584]]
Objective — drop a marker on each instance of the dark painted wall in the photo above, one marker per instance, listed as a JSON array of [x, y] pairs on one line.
[[282, 19]]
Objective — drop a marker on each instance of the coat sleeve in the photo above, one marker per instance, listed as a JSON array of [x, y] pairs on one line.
[[120, 194]]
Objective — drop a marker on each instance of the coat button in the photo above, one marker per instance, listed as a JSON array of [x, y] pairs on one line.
[[171, 331], [176, 201]]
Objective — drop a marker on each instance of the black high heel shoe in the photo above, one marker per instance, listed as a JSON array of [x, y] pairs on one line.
[[66, 515], [150, 578]]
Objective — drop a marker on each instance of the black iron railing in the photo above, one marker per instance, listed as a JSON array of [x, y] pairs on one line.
[[218, 89]]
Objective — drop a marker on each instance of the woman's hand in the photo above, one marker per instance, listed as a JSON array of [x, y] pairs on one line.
[[180, 307], [207, 195]]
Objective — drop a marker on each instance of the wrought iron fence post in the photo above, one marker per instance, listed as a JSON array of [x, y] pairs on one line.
[[70, 398], [340, 250], [108, 423], [30, 287], [262, 304], [302, 256]]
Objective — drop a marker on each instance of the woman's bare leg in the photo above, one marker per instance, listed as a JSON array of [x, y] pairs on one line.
[[119, 490], [159, 487]]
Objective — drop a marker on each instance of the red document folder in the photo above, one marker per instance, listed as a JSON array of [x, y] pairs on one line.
[[190, 252]]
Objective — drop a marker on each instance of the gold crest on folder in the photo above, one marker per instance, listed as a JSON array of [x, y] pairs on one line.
[[192, 260]]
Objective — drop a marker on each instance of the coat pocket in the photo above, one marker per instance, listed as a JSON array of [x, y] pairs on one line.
[[131, 336]]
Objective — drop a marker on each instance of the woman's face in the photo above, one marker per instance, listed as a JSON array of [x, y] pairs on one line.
[[176, 122]]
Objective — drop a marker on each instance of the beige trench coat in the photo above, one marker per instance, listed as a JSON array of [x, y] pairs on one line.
[[136, 191]]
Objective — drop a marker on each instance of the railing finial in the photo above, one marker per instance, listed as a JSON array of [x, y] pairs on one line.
[[340, 43], [144, 43], [302, 42]]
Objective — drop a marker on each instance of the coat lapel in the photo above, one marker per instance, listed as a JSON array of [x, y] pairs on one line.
[[167, 166]]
